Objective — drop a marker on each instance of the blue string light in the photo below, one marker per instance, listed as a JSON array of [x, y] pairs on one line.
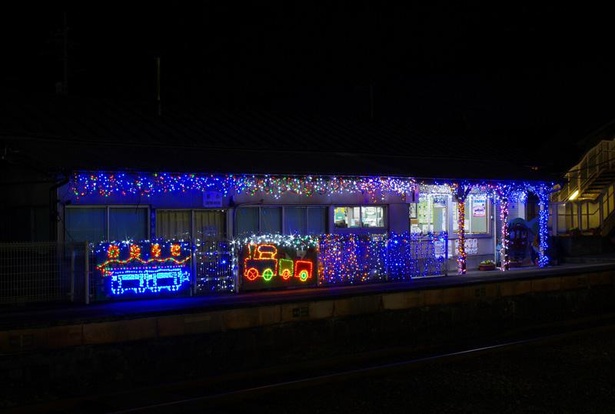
[[343, 259], [350, 259], [107, 184]]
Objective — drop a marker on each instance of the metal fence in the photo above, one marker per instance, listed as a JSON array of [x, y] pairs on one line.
[[214, 267], [374, 258], [44, 272]]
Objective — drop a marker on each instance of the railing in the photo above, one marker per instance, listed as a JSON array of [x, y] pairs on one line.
[[598, 159], [382, 257], [44, 272], [214, 267]]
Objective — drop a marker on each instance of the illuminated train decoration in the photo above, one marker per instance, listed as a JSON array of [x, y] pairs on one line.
[[261, 261], [163, 267], [142, 268]]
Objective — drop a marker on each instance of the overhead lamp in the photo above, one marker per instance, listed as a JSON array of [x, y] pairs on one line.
[[574, 195]]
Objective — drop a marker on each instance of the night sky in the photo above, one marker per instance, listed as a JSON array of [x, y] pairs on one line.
[[535, 74]]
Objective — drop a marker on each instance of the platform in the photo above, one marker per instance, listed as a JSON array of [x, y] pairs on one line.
[[59, 326]]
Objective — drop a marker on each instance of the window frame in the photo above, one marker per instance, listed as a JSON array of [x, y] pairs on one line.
[[192, 217], [468, 227], [107, 221], [362, 227], [428, 198], [451, 215], [283, 208]]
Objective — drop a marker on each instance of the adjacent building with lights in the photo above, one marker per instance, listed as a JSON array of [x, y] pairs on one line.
[[583, 209]]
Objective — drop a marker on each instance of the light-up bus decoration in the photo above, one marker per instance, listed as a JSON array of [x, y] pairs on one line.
[[261, 263], [144, 268]]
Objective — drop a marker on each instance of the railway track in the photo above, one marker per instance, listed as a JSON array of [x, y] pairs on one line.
[[230, 390]]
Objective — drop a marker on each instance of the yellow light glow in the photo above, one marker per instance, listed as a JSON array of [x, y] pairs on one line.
[[574, 195]]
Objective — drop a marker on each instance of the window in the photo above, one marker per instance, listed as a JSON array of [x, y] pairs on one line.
[[247, 221], [280, 220], [295, 219], [271, 220], [476, 215], [431, 214], [305, 220], [127, 224], [173, 224], [188, 224], [359, 217], [85, 224], [316, 220], [96, 224]]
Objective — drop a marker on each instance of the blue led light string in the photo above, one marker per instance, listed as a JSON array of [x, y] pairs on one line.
[[399, 262], [147, 184], [543, 191], [215, 265], [350, 259], [366, 260]]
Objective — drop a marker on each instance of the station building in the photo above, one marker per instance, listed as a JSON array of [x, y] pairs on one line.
[[209, 201]]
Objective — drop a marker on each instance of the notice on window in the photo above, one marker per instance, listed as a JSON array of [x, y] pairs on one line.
[[479, 207], [471, 247]]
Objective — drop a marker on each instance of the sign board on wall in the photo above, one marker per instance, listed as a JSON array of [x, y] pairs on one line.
[[212, 199]]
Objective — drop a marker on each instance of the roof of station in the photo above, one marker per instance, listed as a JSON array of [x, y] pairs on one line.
[[63, 134]]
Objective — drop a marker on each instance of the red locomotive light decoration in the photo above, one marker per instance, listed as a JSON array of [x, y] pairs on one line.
[[262, 261]]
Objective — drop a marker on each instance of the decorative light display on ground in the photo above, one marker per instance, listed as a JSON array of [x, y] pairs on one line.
[[351, 258], [277, 261], [262, 261], [338, 259], [354, 259], [144, 268], [412, 255], [214, 267]]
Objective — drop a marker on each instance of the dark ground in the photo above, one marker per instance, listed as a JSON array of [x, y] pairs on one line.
[[574, 375], [564, 374]]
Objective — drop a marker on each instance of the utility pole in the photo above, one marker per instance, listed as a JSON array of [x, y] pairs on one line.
[[371, 101], [62, 86], [65, 56], [158, 86]]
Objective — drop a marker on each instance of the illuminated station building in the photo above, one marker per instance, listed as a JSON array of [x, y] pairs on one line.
[[195, 206]]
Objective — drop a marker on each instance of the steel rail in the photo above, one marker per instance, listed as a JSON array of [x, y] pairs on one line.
[[339, 368], [376, 368]]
